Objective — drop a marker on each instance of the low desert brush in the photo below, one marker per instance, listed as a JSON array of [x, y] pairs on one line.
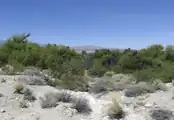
[[82, 106], [18, 87], [115, 110], [28, 95]]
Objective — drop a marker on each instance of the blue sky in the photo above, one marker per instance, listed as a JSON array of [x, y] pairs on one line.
[[107, 23]]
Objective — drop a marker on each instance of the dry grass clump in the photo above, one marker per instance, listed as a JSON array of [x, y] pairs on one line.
[[115, 111], [51, 99], [18, 87]]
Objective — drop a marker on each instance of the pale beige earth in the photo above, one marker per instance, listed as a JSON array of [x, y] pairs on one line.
[[136, 108]]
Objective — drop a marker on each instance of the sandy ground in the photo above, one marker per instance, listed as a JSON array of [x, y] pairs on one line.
[[10, 110]]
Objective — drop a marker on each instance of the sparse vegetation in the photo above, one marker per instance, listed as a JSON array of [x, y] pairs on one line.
[[51, 99]]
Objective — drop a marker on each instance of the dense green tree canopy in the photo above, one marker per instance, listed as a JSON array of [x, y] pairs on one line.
[[148, 63]]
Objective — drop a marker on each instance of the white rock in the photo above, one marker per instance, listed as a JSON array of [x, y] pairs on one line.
[[148, 105], [70, 112], [3, 110]]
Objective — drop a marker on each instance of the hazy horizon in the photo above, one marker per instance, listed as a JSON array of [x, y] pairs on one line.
[[111, 24]]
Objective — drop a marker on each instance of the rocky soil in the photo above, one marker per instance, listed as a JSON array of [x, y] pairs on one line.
[[135, 108]]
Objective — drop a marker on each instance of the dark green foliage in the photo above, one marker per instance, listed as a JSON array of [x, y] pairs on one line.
[[68, 66]]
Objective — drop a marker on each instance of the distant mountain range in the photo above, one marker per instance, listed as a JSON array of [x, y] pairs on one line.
[[87, 48], [2, 41]]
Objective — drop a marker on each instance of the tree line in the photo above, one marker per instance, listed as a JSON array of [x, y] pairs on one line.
[[147, 64]]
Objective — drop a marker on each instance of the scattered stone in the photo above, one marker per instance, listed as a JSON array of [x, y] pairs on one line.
[[66, 109], [70, 112]]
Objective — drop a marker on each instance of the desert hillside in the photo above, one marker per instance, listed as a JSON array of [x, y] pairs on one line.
[[27, 96], [57, 82]]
